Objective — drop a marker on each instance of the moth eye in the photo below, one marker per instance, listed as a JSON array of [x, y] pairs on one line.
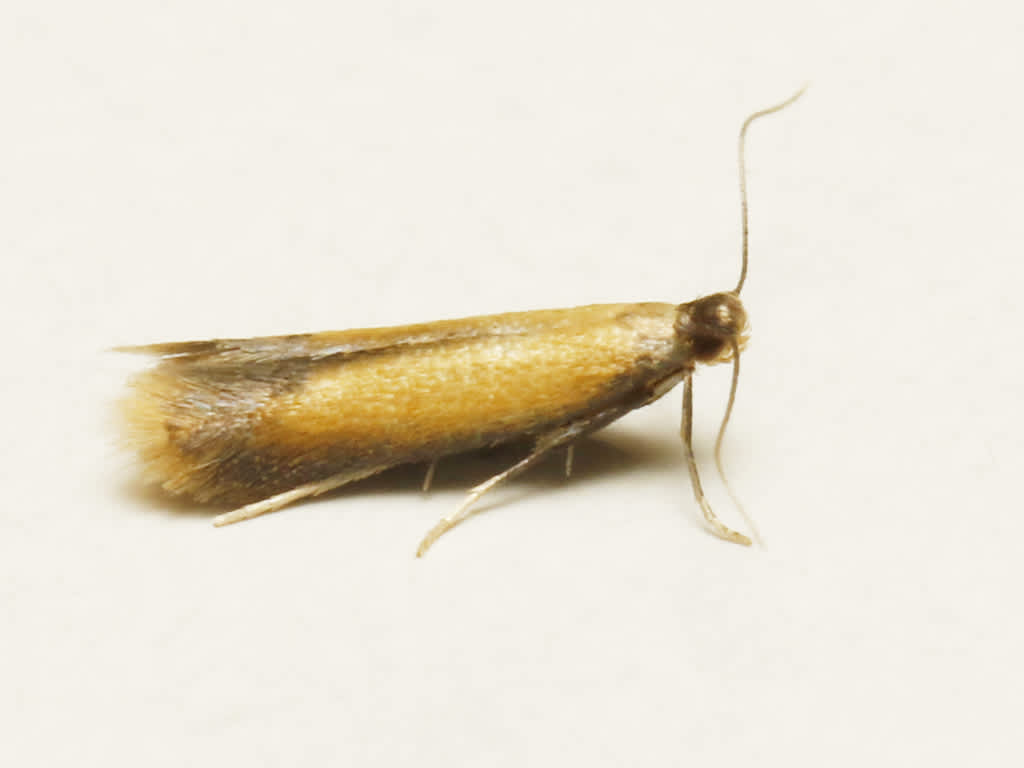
[[723, 314]]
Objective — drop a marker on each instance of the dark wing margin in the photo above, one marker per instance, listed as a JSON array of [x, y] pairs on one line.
[[328, 344], [314, 347], [171, 349]]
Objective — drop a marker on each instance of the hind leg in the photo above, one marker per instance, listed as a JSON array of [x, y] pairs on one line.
[[277, 501]]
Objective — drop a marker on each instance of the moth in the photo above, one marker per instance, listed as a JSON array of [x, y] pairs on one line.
[[261, 423]]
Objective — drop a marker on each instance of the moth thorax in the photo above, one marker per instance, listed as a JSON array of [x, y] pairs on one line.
[[712, 326]]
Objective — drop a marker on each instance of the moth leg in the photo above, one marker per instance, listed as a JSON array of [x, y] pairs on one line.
[[429, 476], [686, 431], [274, 503], [559, 437], [568, 460], [448, 522]]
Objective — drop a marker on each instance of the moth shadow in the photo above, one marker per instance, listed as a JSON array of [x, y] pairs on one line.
[[594, 456], [606, 454]]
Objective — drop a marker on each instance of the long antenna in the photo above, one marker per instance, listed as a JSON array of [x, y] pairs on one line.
[[743, 177], [718, 445], [687, 397]]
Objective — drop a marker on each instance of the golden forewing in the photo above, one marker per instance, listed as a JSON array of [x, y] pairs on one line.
[[234, 419]]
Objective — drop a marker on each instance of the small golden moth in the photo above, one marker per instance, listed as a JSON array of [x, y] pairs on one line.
[[265, 422]]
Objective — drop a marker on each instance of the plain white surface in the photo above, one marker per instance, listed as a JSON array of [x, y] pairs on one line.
[[198, 169]]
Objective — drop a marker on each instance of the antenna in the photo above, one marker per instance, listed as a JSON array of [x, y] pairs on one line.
[[716, 525], [743, 178]]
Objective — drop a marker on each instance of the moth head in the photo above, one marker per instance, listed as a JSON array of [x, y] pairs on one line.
[[713, 326]]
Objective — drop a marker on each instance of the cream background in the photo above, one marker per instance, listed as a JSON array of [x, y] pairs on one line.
[[196, 169]]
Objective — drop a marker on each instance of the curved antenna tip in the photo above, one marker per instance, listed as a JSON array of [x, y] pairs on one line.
[[743, 178]]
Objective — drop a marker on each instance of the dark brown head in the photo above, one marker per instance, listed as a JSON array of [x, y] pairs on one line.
[[713, 325]]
